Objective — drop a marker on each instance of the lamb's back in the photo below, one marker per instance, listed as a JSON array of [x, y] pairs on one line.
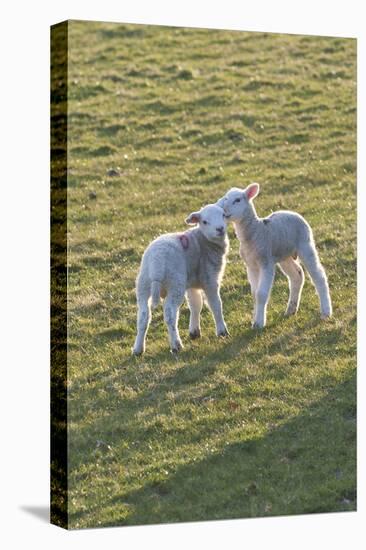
[[163, 258], [285, 230], [183, 258]]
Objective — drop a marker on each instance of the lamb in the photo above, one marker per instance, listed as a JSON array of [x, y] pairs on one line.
[[179, 263], [281, 238]]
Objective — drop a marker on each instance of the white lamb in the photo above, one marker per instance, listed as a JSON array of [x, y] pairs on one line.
[[280, 238], [177, 263]]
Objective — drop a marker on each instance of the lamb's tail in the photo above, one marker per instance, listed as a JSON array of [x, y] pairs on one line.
[[155, 293]]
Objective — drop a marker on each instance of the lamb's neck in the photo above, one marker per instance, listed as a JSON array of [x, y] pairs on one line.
[[219, 246], [248, 224]]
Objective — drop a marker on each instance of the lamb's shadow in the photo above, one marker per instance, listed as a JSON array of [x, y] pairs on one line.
[[192, 368], [110, 334], [326, 336]]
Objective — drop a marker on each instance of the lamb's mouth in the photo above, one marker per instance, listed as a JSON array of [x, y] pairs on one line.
[[227, 216]]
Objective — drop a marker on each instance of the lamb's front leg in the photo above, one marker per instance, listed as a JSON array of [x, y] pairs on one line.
[[194, 297], [214, 301], [266, 276], [253, 278]]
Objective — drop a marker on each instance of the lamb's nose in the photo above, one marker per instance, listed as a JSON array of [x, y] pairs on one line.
[[220, 229]]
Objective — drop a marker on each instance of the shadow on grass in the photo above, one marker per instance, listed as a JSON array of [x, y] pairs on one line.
[[192, 370], [110, 334], [307, 465], [324, 340], [193, 367]]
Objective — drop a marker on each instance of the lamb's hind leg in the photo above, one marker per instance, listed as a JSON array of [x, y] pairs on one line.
[[143, 319], [295, 275], [194, 297], [172, 304], [309, 257]]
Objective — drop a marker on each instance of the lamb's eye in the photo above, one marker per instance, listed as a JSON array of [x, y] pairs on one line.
[[204, 222], [236, 200]]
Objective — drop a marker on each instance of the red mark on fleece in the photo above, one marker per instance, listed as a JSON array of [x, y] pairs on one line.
[[184, 240]]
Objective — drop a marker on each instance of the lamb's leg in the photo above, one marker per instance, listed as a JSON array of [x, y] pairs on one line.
[[172, 304], [214, 302], [309, 256], [253, 278], [194, 297], [295, 275], [266, 276], [143, 319]]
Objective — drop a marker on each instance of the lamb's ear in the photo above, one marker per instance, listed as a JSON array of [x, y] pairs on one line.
[[251, 191], [220, 202], [193, 218]]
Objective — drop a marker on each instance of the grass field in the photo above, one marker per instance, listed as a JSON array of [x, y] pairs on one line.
[[263, 423]]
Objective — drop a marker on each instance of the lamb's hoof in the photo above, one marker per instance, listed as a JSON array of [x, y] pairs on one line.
[[137, 352], [177, 348], [325, 316], [195, 334], [223, 333], [290, 312], [257, 326], [291, 308]]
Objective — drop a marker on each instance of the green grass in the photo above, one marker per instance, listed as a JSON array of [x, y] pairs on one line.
[[263, 423]]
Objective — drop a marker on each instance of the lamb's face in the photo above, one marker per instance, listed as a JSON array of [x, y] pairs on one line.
[[236, 202], [211, 220]]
